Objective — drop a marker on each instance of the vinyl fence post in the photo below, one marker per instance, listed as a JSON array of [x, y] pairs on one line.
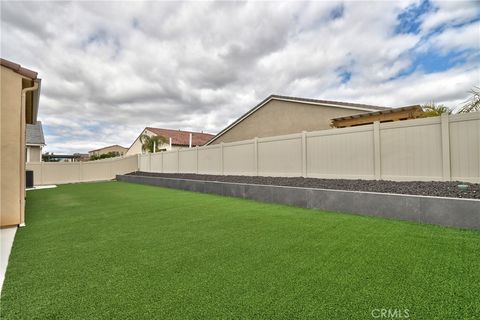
[[376, 150], [221, 159], [445, 147], [304, 154], [149, 162], [178, 160], [161, 168], [109, 169], [80, 171], [196, 157], [255, 152]]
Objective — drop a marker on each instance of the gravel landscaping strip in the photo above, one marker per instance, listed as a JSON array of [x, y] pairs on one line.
[[424, 188]]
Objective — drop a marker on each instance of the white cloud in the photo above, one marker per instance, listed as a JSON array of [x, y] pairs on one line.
[[461, 38], [450, 13], [110, 69]]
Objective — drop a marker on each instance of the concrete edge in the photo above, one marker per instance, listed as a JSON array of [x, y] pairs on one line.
[[451, 212], [7, 236]]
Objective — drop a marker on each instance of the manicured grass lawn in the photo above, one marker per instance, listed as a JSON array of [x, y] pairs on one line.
[[123, 251]]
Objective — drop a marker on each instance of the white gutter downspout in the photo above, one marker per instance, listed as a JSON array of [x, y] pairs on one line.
[[190, 141], [170, 143], [23, 121]]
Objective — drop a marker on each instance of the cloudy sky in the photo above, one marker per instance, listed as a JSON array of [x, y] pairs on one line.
[[109, 69]]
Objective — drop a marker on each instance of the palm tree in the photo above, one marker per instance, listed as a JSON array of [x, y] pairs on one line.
[[472, 104], [434, 110], [152, 143]]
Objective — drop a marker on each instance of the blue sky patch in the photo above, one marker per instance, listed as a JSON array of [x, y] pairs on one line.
[[410, 19], [434, 61], [100, 37], [337, 12], [135, 23], [344, 75]]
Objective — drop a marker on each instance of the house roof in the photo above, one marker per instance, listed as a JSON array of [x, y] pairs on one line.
[[341, 104], [329, 103], [18, 69], [182, 138], [34, 134], [113, 145]]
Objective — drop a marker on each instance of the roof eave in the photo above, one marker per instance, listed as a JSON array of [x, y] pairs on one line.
[[35, 144]]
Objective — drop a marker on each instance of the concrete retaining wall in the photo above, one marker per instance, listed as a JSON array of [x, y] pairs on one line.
[[452, 212]]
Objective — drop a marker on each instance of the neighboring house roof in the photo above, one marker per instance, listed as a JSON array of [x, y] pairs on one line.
[[328, 103], [182, 138], [341, 104], [34, 134], [113, 145], [18, 69]]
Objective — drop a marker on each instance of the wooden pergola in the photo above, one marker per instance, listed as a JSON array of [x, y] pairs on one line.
[[389, 115]]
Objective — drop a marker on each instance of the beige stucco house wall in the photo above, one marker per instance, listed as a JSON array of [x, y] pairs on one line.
[[176, 139], [115, 148], [19, 103], [35, 142], [136, 147], [278, 115], [34, 154]]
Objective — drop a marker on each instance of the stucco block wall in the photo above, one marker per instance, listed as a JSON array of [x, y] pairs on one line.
[[73, 172], [11, 148], [283, 117], [122, 151]]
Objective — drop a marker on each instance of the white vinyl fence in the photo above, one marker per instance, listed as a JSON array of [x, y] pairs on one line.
[[438, 148], [71, 172]]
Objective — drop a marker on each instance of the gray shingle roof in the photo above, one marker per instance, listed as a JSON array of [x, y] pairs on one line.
[[34, 134]]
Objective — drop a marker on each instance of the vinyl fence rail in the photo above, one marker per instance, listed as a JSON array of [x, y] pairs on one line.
[[430, 149]]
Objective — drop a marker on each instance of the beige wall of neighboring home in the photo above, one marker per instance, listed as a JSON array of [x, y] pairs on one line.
[[136, 147], [115, 148], [13, 117], [34, 154], [279, 117]]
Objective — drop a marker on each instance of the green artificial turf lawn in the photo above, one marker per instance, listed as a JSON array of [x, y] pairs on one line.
[[124, 251]]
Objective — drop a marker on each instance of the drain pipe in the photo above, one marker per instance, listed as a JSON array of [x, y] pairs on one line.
[[23, 120], [190, 141]]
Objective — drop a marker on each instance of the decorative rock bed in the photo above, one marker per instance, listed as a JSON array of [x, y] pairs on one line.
[[446, 211], [421, 188]]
